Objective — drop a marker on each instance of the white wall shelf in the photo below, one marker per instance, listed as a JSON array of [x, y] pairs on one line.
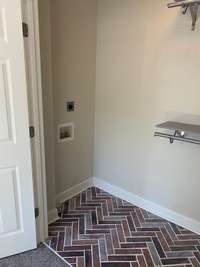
[[180, 131]]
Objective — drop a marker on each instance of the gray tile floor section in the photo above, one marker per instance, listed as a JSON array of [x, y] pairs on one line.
[[40, 257]]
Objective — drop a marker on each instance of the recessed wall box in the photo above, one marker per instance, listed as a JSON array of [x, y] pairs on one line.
[[65, 132]]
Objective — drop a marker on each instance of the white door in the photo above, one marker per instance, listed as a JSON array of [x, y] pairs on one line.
[[17, 222]]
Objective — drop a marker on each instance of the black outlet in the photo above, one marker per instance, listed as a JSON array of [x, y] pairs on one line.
[[70, 106]]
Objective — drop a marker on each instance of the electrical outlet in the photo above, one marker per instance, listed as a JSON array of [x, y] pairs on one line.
[[70, 106]]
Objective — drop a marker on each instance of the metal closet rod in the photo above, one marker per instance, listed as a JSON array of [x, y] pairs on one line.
[[172, 137]]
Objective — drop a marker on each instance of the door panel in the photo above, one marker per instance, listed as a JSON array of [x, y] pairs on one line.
[[10, 213], [3, 31], [17, 220], [6, 129]]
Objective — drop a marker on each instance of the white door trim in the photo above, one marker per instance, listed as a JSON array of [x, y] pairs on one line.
[[33, 17], [41, 183]]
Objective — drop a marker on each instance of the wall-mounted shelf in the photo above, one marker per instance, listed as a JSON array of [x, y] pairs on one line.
[[180, 131]]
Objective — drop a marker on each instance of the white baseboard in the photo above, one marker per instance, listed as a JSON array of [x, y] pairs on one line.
[[52, 216], [74, 190], [156, 209]]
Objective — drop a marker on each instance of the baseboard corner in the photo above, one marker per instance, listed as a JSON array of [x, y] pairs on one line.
[[152, 207], [74, 190]]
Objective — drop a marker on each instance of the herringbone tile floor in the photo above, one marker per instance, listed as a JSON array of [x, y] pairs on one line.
[[97, 229]]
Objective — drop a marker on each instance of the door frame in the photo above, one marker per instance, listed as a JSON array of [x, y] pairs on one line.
[[37, 109]]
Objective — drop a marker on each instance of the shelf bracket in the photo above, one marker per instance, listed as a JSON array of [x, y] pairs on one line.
[[185, 8], [176, 133], [193, 11], [193, 5]]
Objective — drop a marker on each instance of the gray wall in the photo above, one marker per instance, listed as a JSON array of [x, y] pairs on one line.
[[45, 45], [73, 62], [147, 72]]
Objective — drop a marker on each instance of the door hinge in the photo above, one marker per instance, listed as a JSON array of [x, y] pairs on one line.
[[32, 131], [25, 29], [37, 212]]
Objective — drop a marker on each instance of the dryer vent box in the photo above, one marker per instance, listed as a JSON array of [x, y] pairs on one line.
[[65, 132]]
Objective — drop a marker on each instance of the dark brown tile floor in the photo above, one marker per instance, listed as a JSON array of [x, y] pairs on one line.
[[97, 229]]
